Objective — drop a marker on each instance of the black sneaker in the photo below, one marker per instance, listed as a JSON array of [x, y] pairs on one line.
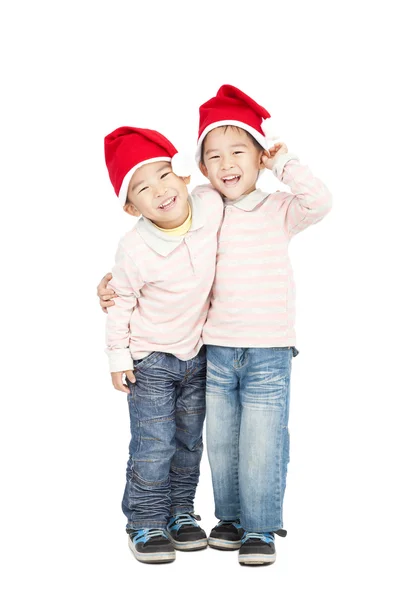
[[151, 545], [258, 548], [226, 535], [185, 533]]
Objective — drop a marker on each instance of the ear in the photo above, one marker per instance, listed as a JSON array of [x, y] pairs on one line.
[[203, 169], [131, 210], [186, 180], [263, 155]]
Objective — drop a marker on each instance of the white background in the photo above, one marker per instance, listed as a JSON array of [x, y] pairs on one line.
[[72, 72]]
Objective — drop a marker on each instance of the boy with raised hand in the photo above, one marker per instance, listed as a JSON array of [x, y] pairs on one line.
[[162, 279], [249, 332]]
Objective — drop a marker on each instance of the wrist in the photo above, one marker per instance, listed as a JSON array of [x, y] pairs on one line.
[[280, 162]]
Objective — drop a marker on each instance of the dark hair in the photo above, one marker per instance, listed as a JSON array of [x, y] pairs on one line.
[[256, 144]]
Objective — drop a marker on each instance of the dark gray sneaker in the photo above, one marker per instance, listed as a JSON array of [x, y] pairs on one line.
[[259, 548], [185, 533], [226, 535], [151, 545]]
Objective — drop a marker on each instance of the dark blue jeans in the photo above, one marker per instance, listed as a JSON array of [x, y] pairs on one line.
[[167, 410]]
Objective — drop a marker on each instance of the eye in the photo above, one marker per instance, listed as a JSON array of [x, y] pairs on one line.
[[142, 190], [238, 152], [165, 174], [215, 156]]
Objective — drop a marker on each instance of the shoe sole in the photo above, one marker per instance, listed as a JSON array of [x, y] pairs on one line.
[[153, 557], [219, 544], [188, 546], [257, 559]]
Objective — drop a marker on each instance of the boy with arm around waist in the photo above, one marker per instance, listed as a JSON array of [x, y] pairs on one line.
[[162, 280]]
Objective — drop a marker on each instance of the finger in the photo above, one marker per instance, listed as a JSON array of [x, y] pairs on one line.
[[104, 310], [102, 287], [107, 296], [130, 376], [105, 303], [117, 382], [120, 387]]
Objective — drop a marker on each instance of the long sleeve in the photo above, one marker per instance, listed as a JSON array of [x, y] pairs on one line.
[[309, 201], [127, 283]]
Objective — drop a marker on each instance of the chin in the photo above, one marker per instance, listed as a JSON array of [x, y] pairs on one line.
[[225, 193], [235, 195]]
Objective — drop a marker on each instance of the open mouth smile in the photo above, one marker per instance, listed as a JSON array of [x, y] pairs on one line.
[[168, 204], [231, 180]]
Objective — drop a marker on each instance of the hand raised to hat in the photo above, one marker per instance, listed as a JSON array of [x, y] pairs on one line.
[[269, 157]]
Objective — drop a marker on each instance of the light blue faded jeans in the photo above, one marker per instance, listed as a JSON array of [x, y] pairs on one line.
[[247, 399], [167, 410]]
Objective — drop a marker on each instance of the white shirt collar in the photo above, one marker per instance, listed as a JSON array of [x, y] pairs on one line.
[[161, 242], [249, 201]]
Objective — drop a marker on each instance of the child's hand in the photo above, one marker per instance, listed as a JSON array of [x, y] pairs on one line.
[[118, 382], [270, 155], [104, 293]]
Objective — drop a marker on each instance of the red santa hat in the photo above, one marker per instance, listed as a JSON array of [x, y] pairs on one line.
[[128, 148], [231, 106]]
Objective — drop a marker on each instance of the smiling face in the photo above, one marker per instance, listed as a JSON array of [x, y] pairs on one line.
[[158, 194], [231, 161]]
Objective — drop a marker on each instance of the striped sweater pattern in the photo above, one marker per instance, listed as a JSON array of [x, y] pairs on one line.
[[253, 297]]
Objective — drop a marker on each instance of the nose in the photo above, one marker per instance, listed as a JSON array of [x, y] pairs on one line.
[[161, 189], [226, 162]]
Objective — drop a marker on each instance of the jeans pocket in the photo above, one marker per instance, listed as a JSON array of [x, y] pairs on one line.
[[147, 361], [131, 387], [138, 361]]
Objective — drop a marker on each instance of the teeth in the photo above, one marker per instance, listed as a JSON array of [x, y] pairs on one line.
[[230, 177], [167, 202]]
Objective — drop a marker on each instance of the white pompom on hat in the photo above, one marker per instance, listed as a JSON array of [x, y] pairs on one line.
[[271, 137], [182, 164]]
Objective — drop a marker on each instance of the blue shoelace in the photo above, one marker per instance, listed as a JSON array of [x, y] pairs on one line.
[[144, 535], [177, 521], [268, 538]]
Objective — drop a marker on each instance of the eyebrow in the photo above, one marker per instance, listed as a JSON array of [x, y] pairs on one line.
[[233, 146], [143, 181]]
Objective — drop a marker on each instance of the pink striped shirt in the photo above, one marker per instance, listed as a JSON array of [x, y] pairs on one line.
[[253, 297], [163, 284]]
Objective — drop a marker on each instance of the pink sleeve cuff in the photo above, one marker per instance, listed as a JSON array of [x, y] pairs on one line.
[[281, 161]]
